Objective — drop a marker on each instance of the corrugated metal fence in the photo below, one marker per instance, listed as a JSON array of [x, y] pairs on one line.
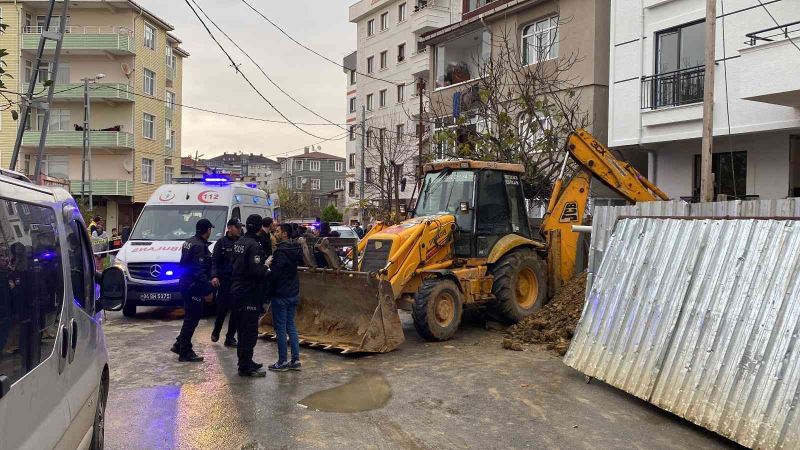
[[700, 317]]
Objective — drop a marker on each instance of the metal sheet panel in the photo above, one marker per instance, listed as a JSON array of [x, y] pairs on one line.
[[702, 318]]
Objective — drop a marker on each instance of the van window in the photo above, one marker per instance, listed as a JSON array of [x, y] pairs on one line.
[[31, 286], [81, 266]]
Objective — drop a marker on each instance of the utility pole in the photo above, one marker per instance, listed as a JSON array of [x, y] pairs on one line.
[[27, 100], [363, 161], [706, 174], [87, 140]]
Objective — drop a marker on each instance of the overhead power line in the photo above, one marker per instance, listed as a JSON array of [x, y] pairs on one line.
[[778, 24], [238, 71]]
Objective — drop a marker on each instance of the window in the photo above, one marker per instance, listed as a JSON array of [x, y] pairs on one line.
[[169, 135], [384, 59], [472, 5], [59, 120], [533, 129], [149, 126], [400, 130], [730, 174], [315, 184], [401, 12], [384, 21], [352, 159], [401, 52], [147, 170], [679, 67], [170, 57], [170, 100], [382, 98], [55, 22], [149, 82], [352, 132], [338, 183], [540, 41], [381, 137], [338, 166], [31, 287], [352, 107], [401, 93], [370, 27], [351, 189], [81, 266], [370, 64], [28, 70], [314, 166], [149, 36], [168, 172], [369, 138], [369, 102], [56, 166], [368, 174], [299, 182], [298, 164]]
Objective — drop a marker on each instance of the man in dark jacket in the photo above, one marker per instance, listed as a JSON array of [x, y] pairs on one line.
[[195, 285], [249, 274], [221, 271], [285, 297]]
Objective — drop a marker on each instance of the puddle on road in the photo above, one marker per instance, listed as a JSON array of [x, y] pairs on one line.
[[363, 392]]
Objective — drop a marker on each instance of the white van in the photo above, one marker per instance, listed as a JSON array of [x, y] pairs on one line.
[[53, 359], [151, 256]]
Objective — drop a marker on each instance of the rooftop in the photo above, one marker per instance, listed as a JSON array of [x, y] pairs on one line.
[[316, 155]]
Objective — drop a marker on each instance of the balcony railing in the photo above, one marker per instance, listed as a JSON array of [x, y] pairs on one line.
[[769, 34], [74, 91], [103, 187], [108, 38], [99, 139], [680, 87]]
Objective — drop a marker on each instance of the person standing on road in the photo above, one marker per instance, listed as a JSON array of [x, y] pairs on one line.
[[249, 274], [285, 297], [195, 287], [221, 271]]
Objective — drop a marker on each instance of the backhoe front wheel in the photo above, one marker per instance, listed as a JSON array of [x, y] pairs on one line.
[[520, 285], [437, 309]]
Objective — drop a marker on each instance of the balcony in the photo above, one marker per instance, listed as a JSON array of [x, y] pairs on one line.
[[462, 59], [103, 187], [427, 17], [85, 40], [420, 63], [768, 66], [680, 87], [171, 74], [99, 139], [74, 91]]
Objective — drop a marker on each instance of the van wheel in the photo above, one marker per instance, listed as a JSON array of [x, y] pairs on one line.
[[99, 426], [520, 286], [129, 309], [437, 309]]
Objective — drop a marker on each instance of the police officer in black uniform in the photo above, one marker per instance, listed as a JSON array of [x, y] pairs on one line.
[[221, 271], [195, 287], [249, 273]]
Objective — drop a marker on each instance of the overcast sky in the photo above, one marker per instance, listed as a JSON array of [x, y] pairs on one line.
[[211, 83]]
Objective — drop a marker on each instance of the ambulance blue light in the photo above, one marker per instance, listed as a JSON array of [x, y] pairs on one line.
[[216, 180], [255, 199], [252, 185]]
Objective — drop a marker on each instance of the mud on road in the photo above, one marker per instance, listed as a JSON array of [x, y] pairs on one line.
[[464, 393]]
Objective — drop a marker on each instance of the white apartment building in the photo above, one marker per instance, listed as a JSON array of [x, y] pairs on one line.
[[656, 93], [389, 51]]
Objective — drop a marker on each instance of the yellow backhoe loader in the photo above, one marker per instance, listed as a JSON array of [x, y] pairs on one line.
[[468, 245]]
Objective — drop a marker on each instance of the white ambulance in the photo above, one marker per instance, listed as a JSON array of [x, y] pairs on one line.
[[151, 256]]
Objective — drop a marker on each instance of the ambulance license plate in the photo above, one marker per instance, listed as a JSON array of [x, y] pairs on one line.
[[155, 296]]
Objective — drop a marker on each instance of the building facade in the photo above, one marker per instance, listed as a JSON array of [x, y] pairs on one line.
[[315, 175], [136, 68], [250, 167], [382, 78], [657, 86]]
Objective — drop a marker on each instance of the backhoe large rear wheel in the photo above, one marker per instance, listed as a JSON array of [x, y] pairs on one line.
[[520, 286], [437, 309]]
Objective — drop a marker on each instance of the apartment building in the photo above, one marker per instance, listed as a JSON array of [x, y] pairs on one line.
[[315, 174], [515, 38], [135, 66], [392, 58], [249, 167], [657, 85]]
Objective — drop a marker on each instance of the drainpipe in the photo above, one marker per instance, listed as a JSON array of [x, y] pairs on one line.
[[652, 166]]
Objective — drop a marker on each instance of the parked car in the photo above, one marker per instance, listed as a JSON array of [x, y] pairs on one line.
[[54, 375]]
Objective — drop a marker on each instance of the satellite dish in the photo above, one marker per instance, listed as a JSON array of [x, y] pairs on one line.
[[128, 165], [127, 70]]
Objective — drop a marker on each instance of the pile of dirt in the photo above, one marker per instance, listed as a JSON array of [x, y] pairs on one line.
[[554, 324]]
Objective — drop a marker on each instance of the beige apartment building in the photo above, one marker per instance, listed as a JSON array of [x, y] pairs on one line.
[[136, 67]]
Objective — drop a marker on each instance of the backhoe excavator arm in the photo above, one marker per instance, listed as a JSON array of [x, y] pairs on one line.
[[568, 203]]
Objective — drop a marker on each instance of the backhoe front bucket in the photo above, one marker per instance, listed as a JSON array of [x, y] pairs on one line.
[[344, 310]]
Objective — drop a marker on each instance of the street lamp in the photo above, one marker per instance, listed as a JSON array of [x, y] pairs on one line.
[[87, 144]]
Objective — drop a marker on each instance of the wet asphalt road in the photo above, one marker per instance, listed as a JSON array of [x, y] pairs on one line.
[[466, 393]]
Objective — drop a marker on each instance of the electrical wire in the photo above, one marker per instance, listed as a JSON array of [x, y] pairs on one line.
[[778, 24], [263, 72], [238, 71], [311, 49]]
